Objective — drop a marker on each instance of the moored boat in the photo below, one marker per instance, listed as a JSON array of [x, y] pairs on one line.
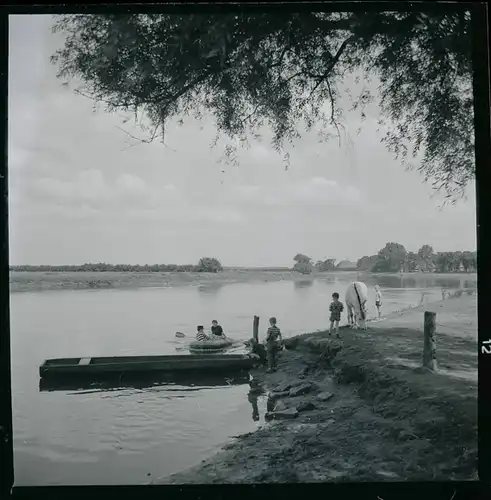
[[205, 363], [178, 381]]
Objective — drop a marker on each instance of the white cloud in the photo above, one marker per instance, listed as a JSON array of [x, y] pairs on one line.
[[90, 188], [219, 216], [313, 191], [131, 185]]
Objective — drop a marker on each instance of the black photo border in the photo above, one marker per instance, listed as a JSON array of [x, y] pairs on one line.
[[376, 490]]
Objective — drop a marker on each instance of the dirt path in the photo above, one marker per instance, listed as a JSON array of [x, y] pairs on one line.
[[385, 420]]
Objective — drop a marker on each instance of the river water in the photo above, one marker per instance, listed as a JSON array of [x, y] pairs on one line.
[[133, 435]]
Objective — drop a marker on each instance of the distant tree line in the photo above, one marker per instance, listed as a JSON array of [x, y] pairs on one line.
[[395, 258], [205, 265], [392, 258], [305, 265]]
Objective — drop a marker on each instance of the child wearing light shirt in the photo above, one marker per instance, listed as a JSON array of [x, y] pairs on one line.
[[378, 300]]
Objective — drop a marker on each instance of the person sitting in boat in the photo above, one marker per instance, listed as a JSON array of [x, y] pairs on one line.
[[216, 329], [201, 335]]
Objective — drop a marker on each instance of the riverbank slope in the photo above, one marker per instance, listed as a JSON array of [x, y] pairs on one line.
[[364, 411]]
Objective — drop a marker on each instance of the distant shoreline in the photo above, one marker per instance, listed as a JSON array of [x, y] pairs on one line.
[[40, 269], [35, 281]]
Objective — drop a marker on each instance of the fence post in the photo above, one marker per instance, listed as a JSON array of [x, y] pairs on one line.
[[429, 347], [255, 329]]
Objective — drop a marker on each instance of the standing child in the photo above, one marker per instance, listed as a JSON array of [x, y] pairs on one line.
[[336, 308], [273, 339], [378, 300]]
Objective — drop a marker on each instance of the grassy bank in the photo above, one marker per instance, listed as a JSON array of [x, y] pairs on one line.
[[386, 419], [40, 281]]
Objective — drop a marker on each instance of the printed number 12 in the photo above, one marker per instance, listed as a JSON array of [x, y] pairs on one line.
[[486, 349]]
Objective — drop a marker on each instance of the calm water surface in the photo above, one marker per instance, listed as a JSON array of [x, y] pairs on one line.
[[134, 435]]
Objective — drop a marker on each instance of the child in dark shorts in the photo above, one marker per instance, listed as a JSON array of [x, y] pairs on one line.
[[336, 308], [273, 344]]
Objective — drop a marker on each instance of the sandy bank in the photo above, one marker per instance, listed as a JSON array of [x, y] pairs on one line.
[[386, 419]]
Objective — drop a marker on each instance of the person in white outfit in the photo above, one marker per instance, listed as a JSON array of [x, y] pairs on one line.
[[378, 300]]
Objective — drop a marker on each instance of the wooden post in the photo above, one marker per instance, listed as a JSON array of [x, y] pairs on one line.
[[255, 329], [429, 347]]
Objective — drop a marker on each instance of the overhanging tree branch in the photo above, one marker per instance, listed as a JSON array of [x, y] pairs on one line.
[[408, 52]]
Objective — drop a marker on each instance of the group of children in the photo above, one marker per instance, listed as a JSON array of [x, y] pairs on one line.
[[274, 339], [216, 332], [273, 335]]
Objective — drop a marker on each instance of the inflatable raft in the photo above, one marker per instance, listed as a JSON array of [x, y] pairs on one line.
[[207, 345]]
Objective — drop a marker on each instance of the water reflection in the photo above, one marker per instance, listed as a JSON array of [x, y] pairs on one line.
[[408, 283], [210, 289], [252, 397], [254, 392], [329, 279], [420, 281], [303, 284]]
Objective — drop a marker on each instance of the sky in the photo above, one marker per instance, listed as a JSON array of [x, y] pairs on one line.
[[82, 190]]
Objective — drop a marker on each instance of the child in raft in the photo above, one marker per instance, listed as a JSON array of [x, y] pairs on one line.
[[273, 343], [336, 308], [201, 335], [216, 329]]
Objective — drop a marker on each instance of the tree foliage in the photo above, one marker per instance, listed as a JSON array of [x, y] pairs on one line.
[[394, 258], [301, 258], [366, 263], [325, 265], [426, 252], [103, 267], [284, 71], [440, 262], [303, 267], [209, 265], [391, 258], [303, 264]]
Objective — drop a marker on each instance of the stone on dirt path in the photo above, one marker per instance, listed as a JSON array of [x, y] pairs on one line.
[[279, 406], [283, 414], [291, 343], [305, 406], [283, 387], [325, 396], [300, 390], [278, 395]]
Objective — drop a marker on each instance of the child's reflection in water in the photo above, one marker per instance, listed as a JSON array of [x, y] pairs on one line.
[[252, 396]]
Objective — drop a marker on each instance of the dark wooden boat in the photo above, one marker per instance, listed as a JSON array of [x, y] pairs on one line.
[[204, 363], [179, 381]]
